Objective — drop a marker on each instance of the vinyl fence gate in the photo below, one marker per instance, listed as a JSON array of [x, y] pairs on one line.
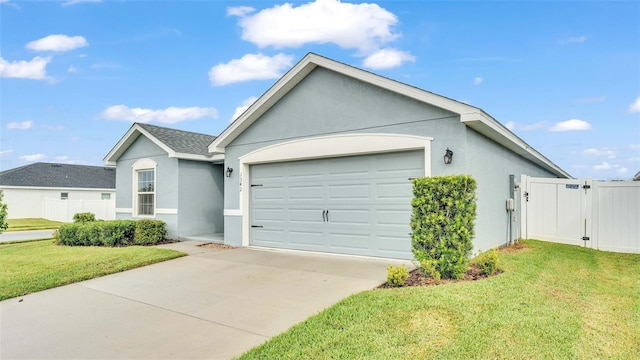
[[602, 215]]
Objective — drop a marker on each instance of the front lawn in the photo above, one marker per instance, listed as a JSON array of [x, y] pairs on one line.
[[32, 224], [552, 302], [39, 265]]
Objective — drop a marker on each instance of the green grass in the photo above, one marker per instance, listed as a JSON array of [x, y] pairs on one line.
[[552, 302], [28, 267], [32, 224]]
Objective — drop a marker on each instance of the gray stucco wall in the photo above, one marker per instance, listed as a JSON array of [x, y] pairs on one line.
[[200, 205], [491, 164], [190, 191]]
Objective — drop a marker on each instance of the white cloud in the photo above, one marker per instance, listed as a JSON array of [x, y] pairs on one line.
[[170, 115], [634, 146], [571, 125], [622, 170], [510, 125], [57, 42], [610, 153], [365, 27], [477, 81], [603, 166], [74, 2], [387, 58], [35, 69], [5, 152], [24, 125], [34, 157], [239, 10], [62, 158], [574, 40], [242, 108], [250, 67], [635, 107], [72, 69]]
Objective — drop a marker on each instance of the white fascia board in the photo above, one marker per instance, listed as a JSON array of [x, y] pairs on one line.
[[128, 139], [56, 188], [491, 128], [186, 156]]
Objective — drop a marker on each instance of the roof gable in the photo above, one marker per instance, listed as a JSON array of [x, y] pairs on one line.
[[471, 116], [52, 175], [176, 143]]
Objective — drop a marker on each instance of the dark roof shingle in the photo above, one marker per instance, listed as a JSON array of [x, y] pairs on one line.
[[181, 141], [60, 176]]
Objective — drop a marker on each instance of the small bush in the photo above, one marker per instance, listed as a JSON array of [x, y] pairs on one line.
[[487, 262], [397, 275], [150, 232], [428, 268], [84, 217]]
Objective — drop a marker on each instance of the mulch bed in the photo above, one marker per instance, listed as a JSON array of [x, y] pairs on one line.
[[416, 278], [217, 246]]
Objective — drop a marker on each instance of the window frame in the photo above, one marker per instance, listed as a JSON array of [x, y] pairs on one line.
[[105, 196], [64, 196], [141, 166]]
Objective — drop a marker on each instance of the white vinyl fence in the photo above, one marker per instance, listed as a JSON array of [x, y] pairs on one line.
[[602, 215], [63, 210]]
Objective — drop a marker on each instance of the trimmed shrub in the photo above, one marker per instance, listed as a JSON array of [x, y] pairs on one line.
[[442, 224], [397, 275], [97, 233], [84, 217], [487, 262], [149, 232]]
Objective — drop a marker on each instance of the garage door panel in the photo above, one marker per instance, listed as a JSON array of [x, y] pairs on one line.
[[309, 239], [268, 237], [351, 191], [267, 193], [358, 243], [355, 217], [269, 215], [393, 217], [400, 191], [308, 192], [304, 171], [305, 216], [393, 246]]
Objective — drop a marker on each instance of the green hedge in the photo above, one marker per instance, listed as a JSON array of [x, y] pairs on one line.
[[112, 233], [442, 224]]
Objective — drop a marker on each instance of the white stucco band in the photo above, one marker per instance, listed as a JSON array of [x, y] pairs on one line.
[[322, 147]]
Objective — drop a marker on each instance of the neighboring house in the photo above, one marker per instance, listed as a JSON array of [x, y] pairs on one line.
[[636, 177], [58, 191], [169, 175], [322, 162]]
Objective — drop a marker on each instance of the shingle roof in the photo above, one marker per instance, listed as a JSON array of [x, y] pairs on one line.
[[181, 141], [60, 176]]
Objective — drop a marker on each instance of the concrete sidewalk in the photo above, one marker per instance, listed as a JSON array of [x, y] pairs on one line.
[[213, 304]]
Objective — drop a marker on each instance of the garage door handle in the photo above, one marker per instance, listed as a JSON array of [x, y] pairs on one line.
[[324, 215], [327, 215]]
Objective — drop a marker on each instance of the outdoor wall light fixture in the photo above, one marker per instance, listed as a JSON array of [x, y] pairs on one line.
[[448, 156], [229, 171]]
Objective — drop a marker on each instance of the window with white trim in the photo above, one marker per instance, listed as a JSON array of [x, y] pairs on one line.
[[144, 188], [64, 196], [105, 196]]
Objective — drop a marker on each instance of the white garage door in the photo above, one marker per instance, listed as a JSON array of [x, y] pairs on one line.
[[358, 205]]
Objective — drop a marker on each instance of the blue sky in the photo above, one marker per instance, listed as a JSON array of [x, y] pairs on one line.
[[74, 75]]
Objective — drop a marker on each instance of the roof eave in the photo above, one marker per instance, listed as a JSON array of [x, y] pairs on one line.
[[128, 139], [489, 127]]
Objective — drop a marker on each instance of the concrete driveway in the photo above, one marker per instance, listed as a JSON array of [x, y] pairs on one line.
[[25, 235], [213, 304]]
